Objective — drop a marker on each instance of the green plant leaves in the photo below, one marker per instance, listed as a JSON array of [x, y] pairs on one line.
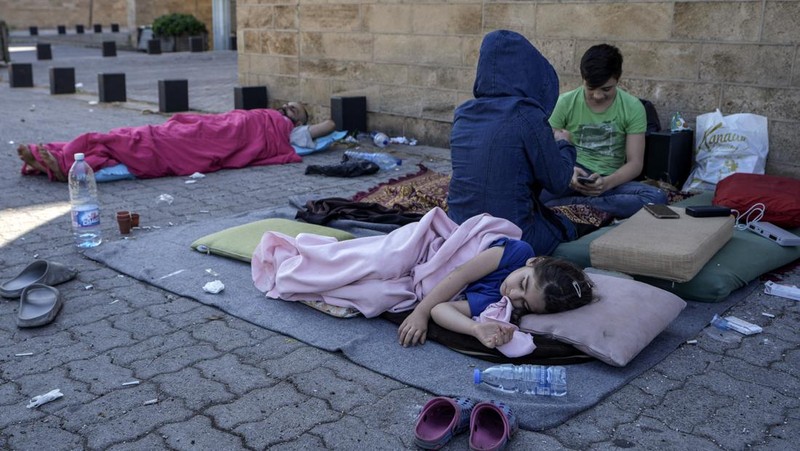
[[177, 24]]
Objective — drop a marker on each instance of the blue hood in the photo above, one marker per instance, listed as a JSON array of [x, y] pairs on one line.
[[510, 66]]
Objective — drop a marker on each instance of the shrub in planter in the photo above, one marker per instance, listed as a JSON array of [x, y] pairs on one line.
[[172, 28]]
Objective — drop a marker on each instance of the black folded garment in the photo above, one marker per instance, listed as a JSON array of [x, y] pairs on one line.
[[352, 168]]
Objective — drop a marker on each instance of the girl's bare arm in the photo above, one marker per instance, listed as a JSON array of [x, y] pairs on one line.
[[415, 327]]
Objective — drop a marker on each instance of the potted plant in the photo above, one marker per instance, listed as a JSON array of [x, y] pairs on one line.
[[175, 29]]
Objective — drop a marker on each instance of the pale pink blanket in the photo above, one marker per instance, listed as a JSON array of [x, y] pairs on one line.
[[185, 144], [373, 274], [521, 343]]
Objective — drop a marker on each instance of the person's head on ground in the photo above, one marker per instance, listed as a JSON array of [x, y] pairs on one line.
[[601, 69], [547, 285], [510, 66], [296, 112]]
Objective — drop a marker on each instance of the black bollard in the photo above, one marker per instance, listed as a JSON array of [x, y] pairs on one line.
[[109, 48], [20, 75], [233, 42], [196, 44], [111, 87], [115, 28], [62, 80], [98, 28], [349, 113], [79, 29], [173, 95], [43, 52], [154, 46], [62, 29], [249, 97]]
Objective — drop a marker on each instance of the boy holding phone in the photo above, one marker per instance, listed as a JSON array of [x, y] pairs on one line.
[[606, 125]]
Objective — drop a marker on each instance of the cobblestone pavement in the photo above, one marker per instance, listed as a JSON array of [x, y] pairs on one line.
[[223, 383]]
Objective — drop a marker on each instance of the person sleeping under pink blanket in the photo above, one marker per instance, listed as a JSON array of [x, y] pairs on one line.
[[184, 144], [438, 269]]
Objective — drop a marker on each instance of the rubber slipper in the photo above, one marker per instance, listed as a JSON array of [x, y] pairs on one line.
[[491, 425], [440, 419], [40, 271], [38, 305]]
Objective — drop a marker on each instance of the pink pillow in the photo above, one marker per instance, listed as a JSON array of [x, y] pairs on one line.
[[626, 317]]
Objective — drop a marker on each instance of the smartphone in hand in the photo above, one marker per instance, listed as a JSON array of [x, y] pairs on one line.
[[585, 180], [661, 211]]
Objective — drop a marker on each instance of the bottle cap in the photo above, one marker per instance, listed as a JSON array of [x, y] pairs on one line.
[[78, 156], [476, 376]]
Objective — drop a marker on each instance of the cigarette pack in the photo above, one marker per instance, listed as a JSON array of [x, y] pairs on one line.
[[742, 326]]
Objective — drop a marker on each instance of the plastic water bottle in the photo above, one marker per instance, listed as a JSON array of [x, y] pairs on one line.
[[527, 379], [85, 207], [383, 160], [380, 139]]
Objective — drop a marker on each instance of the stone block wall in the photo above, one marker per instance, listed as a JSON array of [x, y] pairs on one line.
[[47, 14], [415, 60]]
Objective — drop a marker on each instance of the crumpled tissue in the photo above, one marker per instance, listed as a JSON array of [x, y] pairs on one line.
[[214, 287], [37, 401]]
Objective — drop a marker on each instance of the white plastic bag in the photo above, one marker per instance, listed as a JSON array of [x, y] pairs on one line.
[[727, 144]]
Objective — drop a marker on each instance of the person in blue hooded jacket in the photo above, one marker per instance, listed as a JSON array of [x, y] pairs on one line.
[[503, 149]]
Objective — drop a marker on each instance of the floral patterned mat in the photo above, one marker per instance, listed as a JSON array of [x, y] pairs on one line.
[[423, 190]]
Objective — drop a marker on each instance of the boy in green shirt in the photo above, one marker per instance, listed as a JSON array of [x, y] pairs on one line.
[[606, 125]]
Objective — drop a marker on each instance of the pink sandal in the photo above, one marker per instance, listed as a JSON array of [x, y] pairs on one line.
[[491, 426], [440, 419]]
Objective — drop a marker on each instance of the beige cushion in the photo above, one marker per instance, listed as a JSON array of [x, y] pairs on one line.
[[671, 249], [626, 317]]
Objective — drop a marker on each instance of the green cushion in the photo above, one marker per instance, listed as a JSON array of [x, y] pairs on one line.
[[239, 242], [744, 258]]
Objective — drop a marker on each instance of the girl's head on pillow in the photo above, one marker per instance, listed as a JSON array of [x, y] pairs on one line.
[[547, 285]]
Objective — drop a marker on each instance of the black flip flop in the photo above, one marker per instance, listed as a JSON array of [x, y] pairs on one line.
[[40, 271], [38, 305]]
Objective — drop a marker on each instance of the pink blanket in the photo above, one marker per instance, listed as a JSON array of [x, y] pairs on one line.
[[185, 144], [373, 274]]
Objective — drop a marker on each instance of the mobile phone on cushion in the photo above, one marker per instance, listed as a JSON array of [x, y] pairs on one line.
[[707, 211], [661, 211]]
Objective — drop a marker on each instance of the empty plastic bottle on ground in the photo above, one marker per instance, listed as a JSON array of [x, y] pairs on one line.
[[380, 139], [85, 206], [383, 160], [528, 379]]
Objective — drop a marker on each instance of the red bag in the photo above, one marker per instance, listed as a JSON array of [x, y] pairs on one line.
[[780, 196]]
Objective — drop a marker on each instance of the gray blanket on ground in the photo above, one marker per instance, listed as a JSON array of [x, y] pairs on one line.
[[163, 258]]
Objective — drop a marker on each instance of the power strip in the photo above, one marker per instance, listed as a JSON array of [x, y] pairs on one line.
[[774, 233]]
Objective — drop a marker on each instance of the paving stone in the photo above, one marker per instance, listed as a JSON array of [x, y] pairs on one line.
[[237, 377], [192, 388], [141, 325], [221, 335], [134, 423], [289, 421], [255, 405], [148, 442], [173, 360], [359, 435], [199, 433], [42, 435], [100, 374], [649, 433], [150, 348]]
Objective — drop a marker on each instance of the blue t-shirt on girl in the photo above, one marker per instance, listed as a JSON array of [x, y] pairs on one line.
[[481, 293]]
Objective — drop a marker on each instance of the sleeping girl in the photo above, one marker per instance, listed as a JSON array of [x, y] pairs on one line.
[[471, 278]]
